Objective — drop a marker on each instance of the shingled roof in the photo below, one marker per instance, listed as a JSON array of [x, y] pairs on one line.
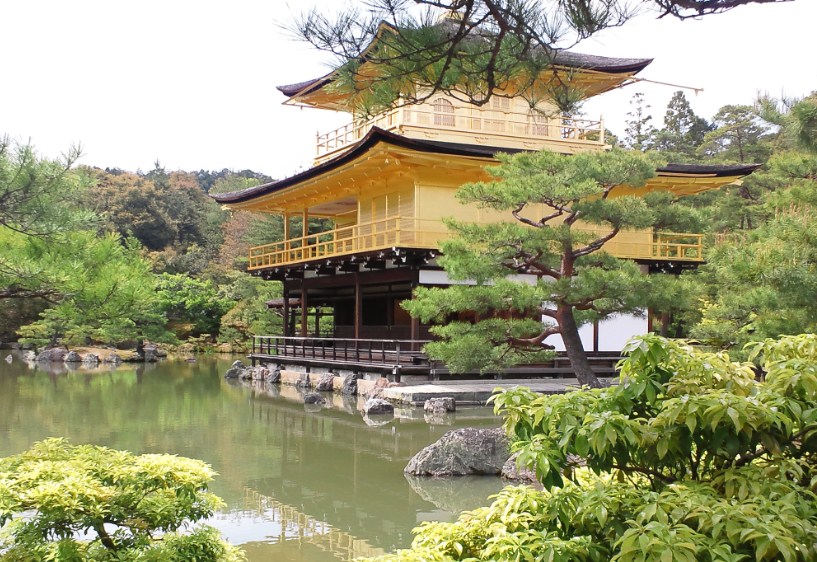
[[377, 135], [563, 58]]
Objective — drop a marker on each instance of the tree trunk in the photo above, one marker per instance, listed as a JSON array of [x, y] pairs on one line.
[[574, 348], [666, 320]]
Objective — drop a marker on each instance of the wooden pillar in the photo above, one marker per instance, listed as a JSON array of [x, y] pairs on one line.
[[287, 244], [415, 322], [286, 310], [304, 316], [595, 335], [305, 223], [358, 306]]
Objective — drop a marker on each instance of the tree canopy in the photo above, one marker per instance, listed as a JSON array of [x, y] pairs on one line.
[[485, 47], [561, 211], [67, 503]]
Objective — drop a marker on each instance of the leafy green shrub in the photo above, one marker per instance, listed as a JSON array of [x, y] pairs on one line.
[[690, 458], [74, 503], [193, 303]]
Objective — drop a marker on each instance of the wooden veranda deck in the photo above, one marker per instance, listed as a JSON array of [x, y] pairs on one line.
[[397, 358]]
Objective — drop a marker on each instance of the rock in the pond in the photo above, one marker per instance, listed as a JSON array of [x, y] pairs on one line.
[[326, 382], [303, 381], [112, 358], [377, 406], [512, 471], [274, 376], [462, 451], [313, 398], [349, 385], [29, 355], [52, 355], [151, 353], [377, 390], [72, 357], [9, 358], [260, 373], [235, 370], [90, 360], [441, 405]]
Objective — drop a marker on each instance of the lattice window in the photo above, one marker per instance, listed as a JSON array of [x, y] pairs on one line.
[[537, 124], [500, 104], [443, 112]]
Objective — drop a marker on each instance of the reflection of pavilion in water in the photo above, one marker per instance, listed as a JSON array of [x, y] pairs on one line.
[[294, 525], [337, 482]]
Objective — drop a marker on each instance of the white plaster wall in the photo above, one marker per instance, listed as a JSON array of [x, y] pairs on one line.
[[613, 332]]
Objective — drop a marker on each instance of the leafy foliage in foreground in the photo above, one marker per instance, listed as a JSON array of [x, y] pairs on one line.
[[689, 458], [126, 507]]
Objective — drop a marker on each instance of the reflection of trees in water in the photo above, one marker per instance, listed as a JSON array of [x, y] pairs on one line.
[[329, 464]]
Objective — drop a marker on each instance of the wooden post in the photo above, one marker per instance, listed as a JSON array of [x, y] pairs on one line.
[[286, 310], [601, 127], [415, 322], [304, 317], [287, 244], [596, 335], [358, 306]]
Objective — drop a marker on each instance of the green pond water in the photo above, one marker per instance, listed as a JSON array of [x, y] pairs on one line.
[[300, 484]]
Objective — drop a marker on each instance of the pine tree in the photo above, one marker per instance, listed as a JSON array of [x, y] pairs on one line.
[[639, 132], [683, 130]]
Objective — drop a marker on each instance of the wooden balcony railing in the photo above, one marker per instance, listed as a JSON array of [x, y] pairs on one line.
[[404, 232], [393, 353], [376, 235], [480, 125]]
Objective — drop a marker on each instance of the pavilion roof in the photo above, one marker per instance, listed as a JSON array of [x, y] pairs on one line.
[[377, 136], [559, 58]]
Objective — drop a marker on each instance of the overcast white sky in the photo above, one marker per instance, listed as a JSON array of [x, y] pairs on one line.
[[192, 83]]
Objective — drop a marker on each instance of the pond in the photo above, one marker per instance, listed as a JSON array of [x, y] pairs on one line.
[[299, 484]]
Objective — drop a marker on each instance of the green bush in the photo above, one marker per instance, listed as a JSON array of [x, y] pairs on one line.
[[74, 503], [690, 458]]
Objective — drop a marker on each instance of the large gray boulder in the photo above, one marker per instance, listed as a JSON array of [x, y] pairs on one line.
[[377, 406], [349, 385], [325, 383], [512, 471], [303, 381], [151, 353], [90, 360], [274, 376], [441, 405], [235, 370], [72, 357], [462, 451], [52, 355], [112, 358]]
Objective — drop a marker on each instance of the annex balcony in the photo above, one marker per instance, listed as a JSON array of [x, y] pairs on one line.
[[487, 126], [405, 232]]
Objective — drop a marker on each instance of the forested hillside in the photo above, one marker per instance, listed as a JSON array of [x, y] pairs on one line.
[[111, 257]]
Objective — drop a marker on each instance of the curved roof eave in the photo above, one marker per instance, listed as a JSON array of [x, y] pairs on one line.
[[569, 59], [377, 135]]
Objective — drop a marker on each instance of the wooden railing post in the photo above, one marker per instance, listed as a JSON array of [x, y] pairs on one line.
[[601, 129]]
